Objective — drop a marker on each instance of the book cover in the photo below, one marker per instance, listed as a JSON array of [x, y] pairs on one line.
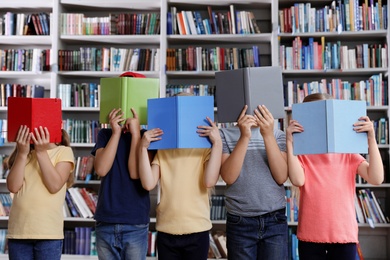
[[328, 127], [127, 93], [33, 112], [249, 86], [179, 118]]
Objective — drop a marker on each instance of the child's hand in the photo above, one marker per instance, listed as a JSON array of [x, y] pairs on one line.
[[293, 127], [364, 125], [264, 120], [41, 139], [116, 118], [23, 139], [132, 124], [245, 122], [151, 136], [211, 131]]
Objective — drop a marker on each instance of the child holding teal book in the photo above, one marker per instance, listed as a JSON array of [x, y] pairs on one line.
[[327, 226]]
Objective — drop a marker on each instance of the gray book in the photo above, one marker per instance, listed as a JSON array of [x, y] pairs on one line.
[[249, 86]]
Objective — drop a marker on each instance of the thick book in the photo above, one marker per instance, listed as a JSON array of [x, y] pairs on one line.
[[127, 93], [34, 112], [179, 118], [328, 127], [249, 86]]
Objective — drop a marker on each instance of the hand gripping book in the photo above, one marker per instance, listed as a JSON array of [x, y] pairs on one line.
[[249, 86], [34, 112], [179, 118], [127, 93], [328, 127]]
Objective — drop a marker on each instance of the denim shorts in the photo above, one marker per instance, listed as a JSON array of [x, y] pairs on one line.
[[42, 249], [260, 237], [121, 241]]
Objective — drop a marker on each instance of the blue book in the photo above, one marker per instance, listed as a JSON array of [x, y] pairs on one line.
[[249, 86], [328, 127], [179, 118]]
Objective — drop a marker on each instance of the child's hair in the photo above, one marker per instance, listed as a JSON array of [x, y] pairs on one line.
[[65, 141], [317, 96]]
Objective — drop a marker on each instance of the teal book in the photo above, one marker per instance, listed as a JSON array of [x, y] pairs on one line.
[[249, 86], [328, 127], [127, 93], [179, 118]]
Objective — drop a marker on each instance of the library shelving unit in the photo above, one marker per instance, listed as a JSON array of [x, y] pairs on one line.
[[68, 41], [304, 69]]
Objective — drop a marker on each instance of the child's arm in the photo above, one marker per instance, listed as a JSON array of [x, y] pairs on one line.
[[295, 170], [213, 165], [54, 177], [132, 125], [16, 173], [231, 164], [276, 159], [149, 174], [371, 171], [105, 156]]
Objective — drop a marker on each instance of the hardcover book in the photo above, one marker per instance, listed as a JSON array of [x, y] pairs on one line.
[[127, 93], [34, 112], [328, 127], [179, 118], [249, 86]]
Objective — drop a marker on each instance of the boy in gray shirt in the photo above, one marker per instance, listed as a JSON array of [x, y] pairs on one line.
[[254, 167]]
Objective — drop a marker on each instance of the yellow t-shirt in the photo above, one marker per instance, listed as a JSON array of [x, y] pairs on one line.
[[35, 212], [184, 206]]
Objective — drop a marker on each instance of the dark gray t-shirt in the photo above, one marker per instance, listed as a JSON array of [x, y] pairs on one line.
[[255, 192]]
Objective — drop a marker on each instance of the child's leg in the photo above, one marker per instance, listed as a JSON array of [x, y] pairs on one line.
[[311, 251], [342, 251]]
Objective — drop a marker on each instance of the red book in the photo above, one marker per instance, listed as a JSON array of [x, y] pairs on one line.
[[34, 112]]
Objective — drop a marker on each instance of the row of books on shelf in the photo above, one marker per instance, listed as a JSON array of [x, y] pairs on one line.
[[212, 59], [82, 131], [19, 90], [369, 208], [79, 94], [321, 55], [35, 60], [194, 89], [229, 21], [25, 24], [79, 241], [218, 209], [109, 59], [113, 24], [80, 202], [373, 90], [84, 170], [347, 15]]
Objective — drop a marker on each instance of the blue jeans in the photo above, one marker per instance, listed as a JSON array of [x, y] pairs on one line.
[[38, 249], [261, 237], [120, 241]]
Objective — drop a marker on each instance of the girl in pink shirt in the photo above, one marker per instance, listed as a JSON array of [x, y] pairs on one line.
[[327, 226]]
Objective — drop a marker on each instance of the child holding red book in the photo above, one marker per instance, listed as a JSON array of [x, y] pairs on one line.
[[38, 177]]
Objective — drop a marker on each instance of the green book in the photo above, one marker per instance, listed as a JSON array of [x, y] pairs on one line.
[[127, 93]]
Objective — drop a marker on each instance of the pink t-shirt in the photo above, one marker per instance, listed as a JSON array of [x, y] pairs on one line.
[[327, 206]]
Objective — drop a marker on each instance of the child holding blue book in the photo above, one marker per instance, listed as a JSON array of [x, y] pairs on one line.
[[186, 177], [327, 226]]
